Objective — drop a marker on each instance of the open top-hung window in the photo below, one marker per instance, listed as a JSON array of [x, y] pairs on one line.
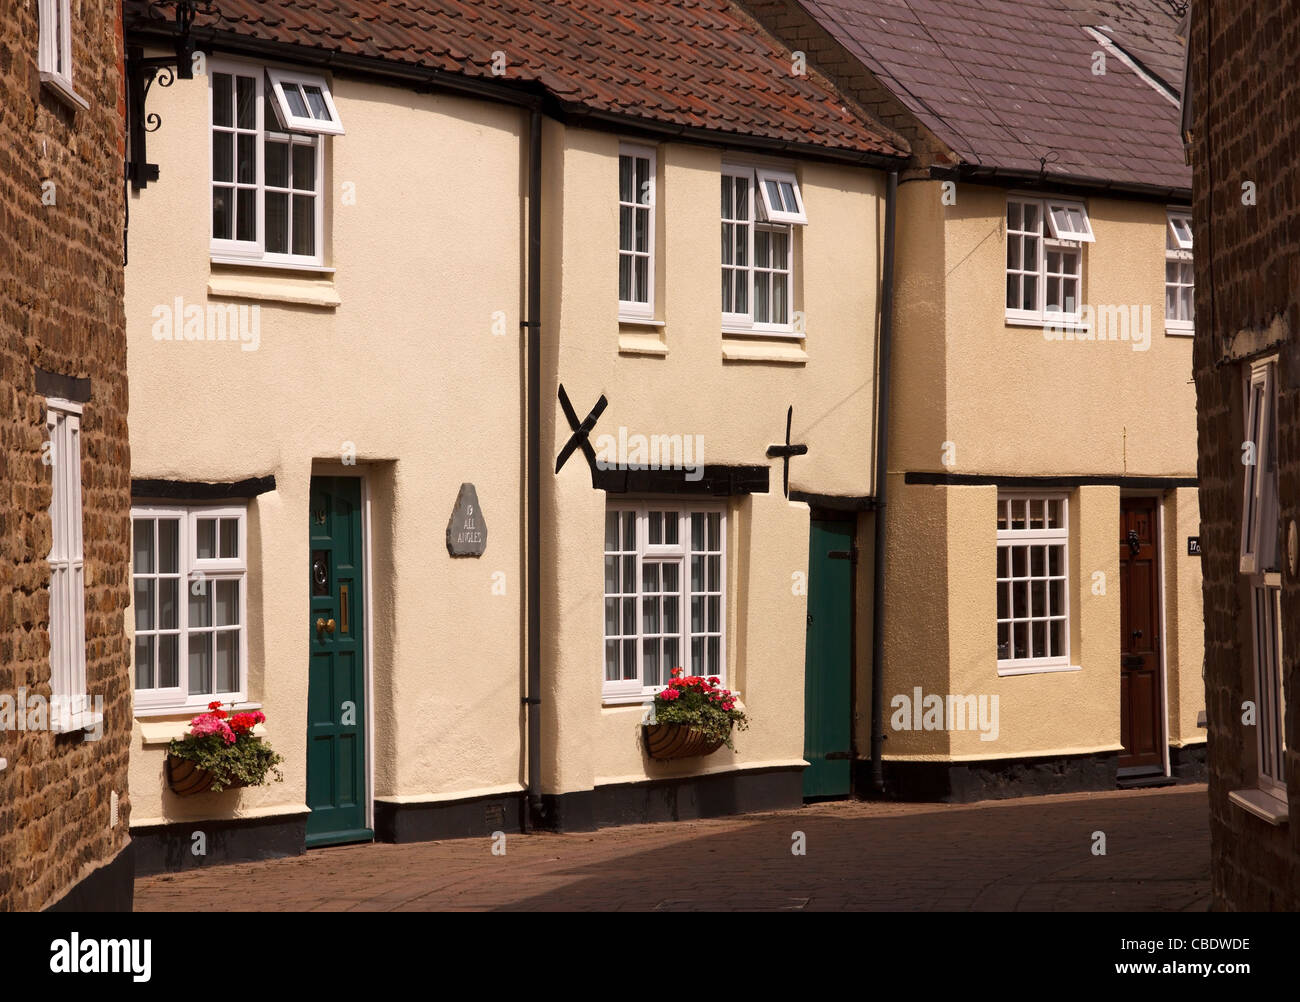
[[1045, 239], [268, 129], [760, 209], [665, 594], [189, 571], [1180, 314]]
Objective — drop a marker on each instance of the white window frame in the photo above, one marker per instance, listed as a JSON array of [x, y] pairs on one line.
[[631, 309], [782, 214], [279, 79], [1050, 236], [1178, 252], [232, 250], [1009, 538], [54, 48], [744, 322], [69, 703], [195, 571], [1259, 481], [633, 690], [1075, 227]]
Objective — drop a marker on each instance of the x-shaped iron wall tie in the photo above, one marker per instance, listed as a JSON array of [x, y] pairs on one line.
[[579, 439], [786, 451]]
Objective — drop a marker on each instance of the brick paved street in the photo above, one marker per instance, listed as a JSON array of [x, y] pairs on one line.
[[1031, 854]]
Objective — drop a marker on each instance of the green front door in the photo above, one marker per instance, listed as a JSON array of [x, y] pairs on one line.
[[828, 660], [336, 686]]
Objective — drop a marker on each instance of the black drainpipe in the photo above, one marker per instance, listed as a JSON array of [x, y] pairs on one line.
[[533, 325], [882, 481]]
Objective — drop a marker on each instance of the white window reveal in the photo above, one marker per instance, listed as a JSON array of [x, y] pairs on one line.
[[760, 209], [665, 595], [1045, 239], [636, 233], [1180, 314], [1033, 583], [189, 576], [67, 567], [54, 48], [1260, 559], [268, 129]]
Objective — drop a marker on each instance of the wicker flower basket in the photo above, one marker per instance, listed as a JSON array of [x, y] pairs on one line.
[[185, 779], [669, 741]]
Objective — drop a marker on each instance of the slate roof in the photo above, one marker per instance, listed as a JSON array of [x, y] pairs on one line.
[[1008, 84], [701, 64]]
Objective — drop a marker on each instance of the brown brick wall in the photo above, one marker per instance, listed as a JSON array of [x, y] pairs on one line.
[[1246, 93], [61, 310]]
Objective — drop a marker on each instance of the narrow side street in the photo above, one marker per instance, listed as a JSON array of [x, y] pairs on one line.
[[1034, 854]]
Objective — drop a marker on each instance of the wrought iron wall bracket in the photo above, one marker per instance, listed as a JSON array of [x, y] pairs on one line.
[[141, 72]]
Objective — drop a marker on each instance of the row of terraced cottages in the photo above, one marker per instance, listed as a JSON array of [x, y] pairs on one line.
[[476, 385]]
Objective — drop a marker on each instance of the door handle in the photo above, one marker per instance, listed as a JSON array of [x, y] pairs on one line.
[[1137, 634], [325, 625]]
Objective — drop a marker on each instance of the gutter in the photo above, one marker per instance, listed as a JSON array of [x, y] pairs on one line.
[[1061, 183], [882, 488]]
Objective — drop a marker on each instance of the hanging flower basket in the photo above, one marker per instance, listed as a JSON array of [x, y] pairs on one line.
[[220, 752], [185, 779], [693, 717], [667, 741]]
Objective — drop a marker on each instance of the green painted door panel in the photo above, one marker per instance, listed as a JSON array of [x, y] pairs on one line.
[[336, 688], [828, 660]]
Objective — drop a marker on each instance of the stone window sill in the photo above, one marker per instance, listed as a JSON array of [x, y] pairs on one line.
[[1263, 805], [275, 288]]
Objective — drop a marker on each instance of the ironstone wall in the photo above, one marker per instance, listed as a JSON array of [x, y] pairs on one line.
[[61, 311], [1245, 61]]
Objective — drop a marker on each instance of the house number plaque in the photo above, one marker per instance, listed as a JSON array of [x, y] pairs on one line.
[[466, 531]]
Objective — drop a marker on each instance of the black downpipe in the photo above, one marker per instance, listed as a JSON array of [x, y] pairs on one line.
[[533, 699], [882, 482]]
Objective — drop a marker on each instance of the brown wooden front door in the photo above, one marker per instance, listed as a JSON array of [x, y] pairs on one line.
[[1139, 662]]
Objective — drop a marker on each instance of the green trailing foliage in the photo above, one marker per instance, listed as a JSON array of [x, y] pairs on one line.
[[246, 762]]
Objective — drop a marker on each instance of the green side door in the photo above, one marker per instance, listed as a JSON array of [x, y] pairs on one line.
[[828, 660], [336, 687]]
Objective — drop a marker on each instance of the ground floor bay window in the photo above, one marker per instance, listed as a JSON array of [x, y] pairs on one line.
[[664, 594]]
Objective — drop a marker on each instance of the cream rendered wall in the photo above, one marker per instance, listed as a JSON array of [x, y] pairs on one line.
[[406, 366], [1012, 403], [675, 380]]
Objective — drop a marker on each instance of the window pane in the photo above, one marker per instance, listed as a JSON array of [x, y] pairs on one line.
[[611, 617], [650, 662], [626, 186], [1032, 222], [227, 643], [629, 659], [1039, 636], [222, 223], [727, 197], [169, 537], [229, 538], [762, 312], [611, 577], [316, 102], [1014, 218], [246, 158], [1004, 641], [277, 164], [742, 198], [1056, 631], [246, 94], [304, 225], [629, 531], [780, 304], [200, 664], [144, 604], [294, 99], [773, 195], [142, 550], [650, 577], [144, 662], [671, 605], [611, 531], [728, 244], [625, 213], [277, 222], [227, 603], [762, 248], [246, 214], [629, 617], [787, 196], [201, 606], [304, 167], [643, 230], [611, 661], [642, 280], [1013, 292], [223, 156], [168, 603], [655, 527], [222, 88], [206, 538]]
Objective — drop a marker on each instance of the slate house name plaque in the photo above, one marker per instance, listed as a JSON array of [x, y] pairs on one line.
[[466, 532]]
